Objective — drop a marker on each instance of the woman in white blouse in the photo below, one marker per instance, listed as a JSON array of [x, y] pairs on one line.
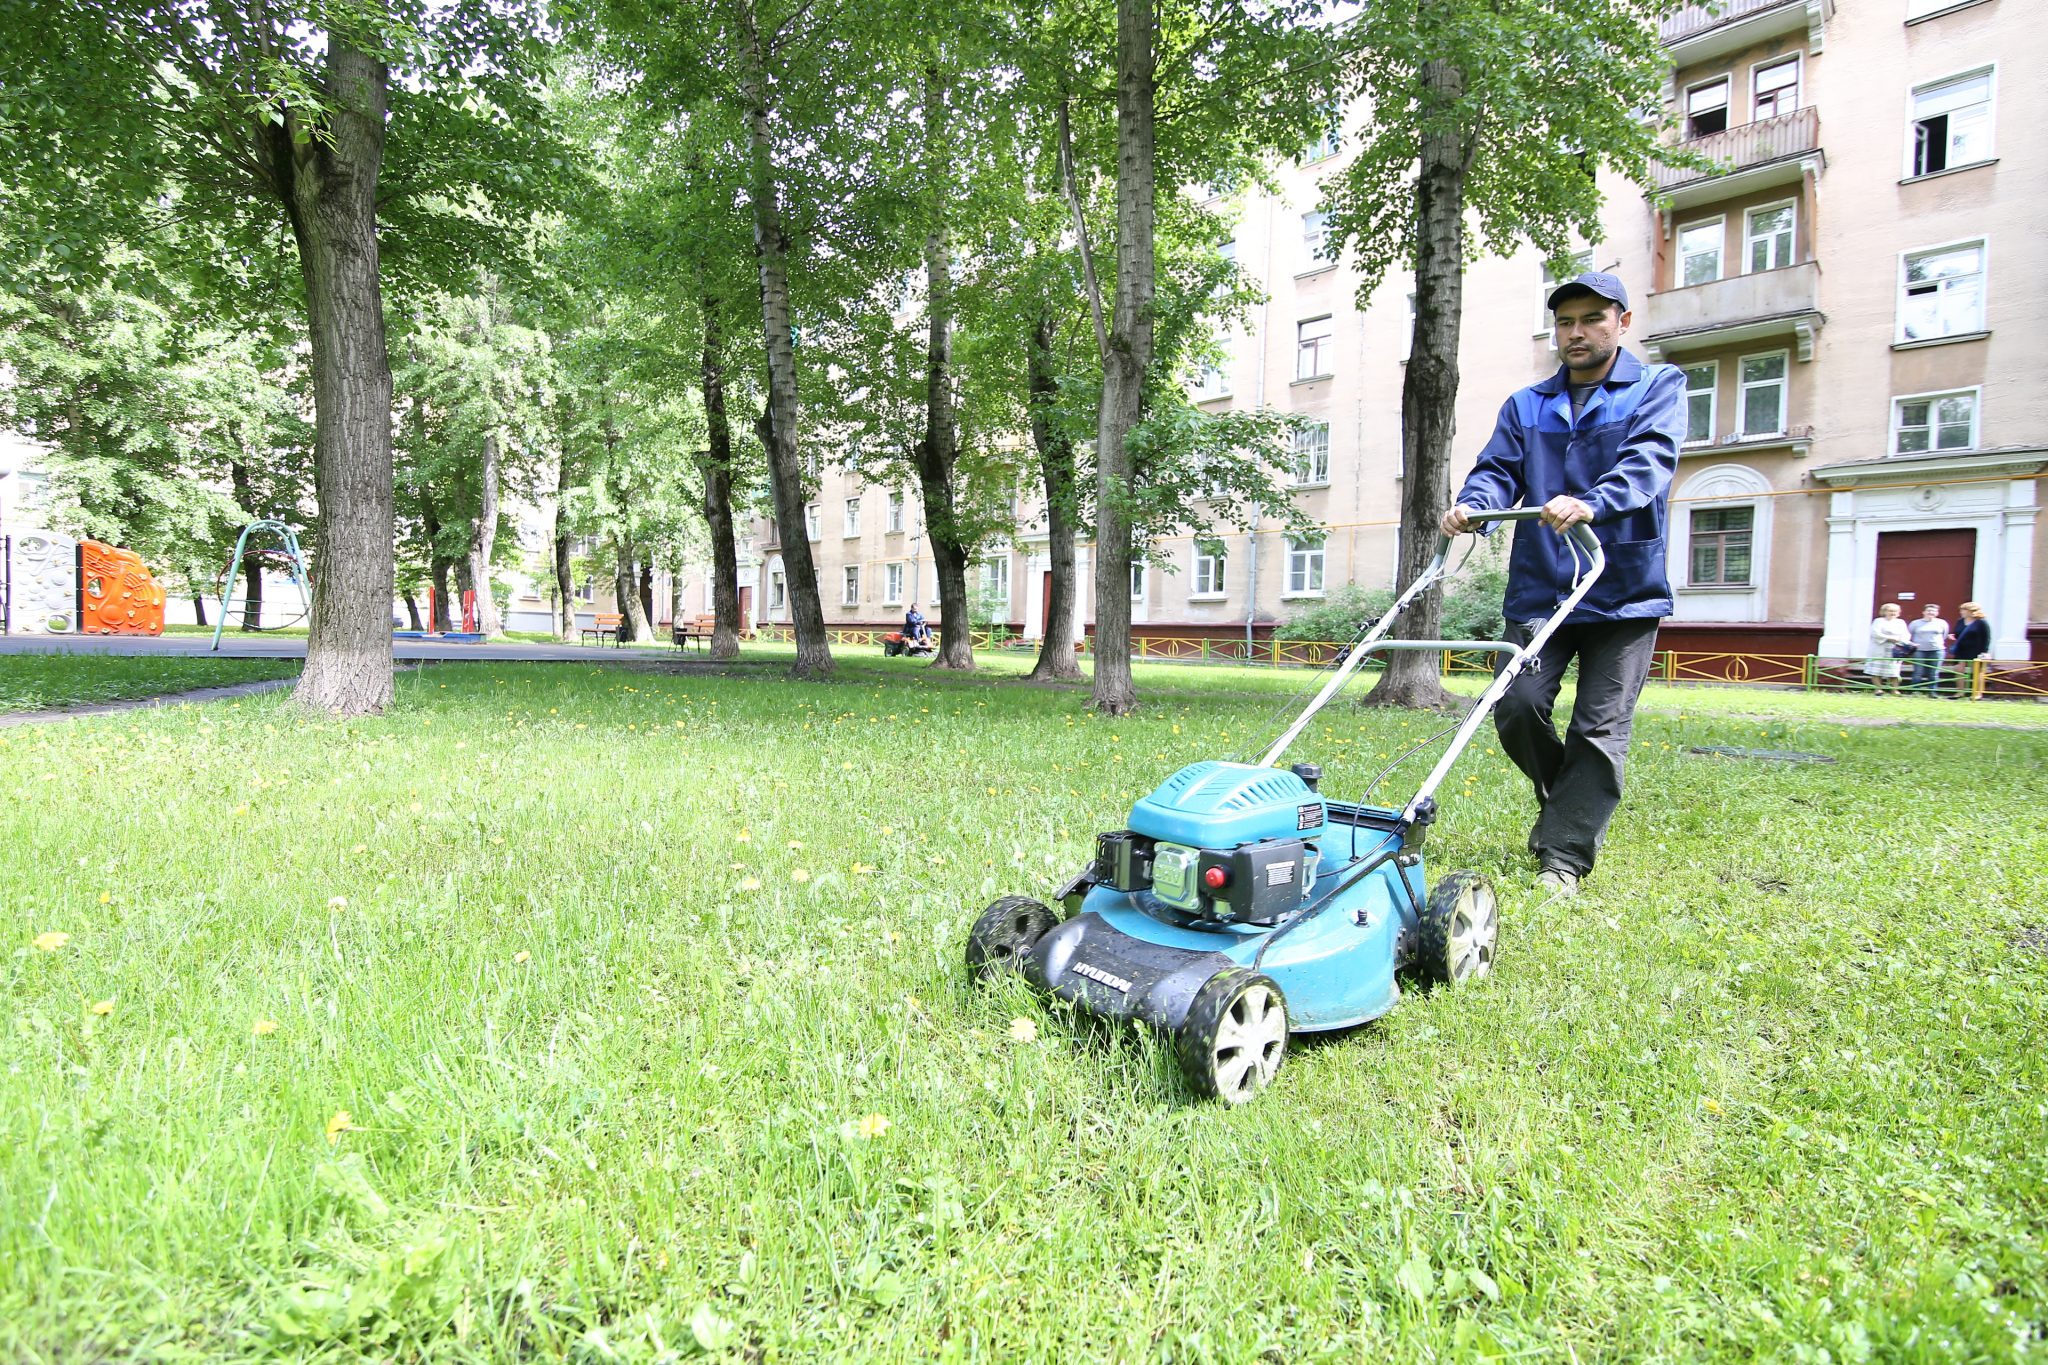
[[1887, 632]]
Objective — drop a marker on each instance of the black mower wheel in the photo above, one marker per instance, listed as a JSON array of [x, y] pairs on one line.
[[1005, 932], [1235, 1036], [1460, 929], [891, 648]]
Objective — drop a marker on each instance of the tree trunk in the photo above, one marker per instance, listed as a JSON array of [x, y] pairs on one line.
[[565, 577], [199, 609], [938, 453], [1429, 393], [483, 539], [251, 566], [717, 468], [412, 610], [647, 594], [330, 191], [1129, 355], [771, 250], [1056, 661], [625, 586]]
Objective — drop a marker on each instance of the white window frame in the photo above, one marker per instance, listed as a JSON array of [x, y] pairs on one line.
[[1983, 248], [1974, 392], [1685, 110], [1323, 348], [995, 578], [1140, 580], [1329, 141], [778, 592], [896, 501], [1305, 564], [813, 530], [1713, 393], [892, 583], [1308, 471], [1755, 520], [1211, 566], [1750, 237], [1783, 383], [1546, 325], [1213, 379], [853, 516], [1315, 241], [849, 586], [1720, 225], [1988, 70], [1798, 64]]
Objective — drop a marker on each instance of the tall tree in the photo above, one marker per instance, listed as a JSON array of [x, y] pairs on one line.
[[1491, 120]]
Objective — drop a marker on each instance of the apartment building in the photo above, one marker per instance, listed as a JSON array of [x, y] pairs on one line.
[[1857, 295]]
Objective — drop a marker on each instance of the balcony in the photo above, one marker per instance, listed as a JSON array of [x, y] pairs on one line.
[[1769, 303], [1702, 32], [1779, 150]]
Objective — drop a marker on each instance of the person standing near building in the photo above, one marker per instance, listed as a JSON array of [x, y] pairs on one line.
[[1596, 442], [1887, 634], [1929, 634], [1973, 642]]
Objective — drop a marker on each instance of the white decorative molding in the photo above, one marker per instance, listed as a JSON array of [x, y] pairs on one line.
[[1721, 485]]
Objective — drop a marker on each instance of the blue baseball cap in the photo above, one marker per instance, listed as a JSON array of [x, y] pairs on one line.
[[1596, 282]]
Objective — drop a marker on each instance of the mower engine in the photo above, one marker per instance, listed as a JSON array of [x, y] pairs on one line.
[[1220, 842]]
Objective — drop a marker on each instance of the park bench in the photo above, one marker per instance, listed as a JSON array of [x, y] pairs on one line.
[[698, 631], [606, 623]]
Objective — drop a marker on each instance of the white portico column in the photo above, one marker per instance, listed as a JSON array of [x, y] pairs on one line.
[[1845, 626], [2008, 605]]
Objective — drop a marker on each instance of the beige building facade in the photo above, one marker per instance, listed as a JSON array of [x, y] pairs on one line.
[[1858, 298]]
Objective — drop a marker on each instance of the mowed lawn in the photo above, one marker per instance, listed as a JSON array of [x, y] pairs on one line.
[[573, 1012], [41, 682]]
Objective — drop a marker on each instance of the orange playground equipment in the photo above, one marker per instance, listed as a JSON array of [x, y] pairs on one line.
[[116, 593]]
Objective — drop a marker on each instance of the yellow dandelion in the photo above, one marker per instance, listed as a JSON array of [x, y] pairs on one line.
[[51, 941], [797, 874], [263, 1028], [337, 902], [1712, 1106], [886, 831], [242, 809], [103, 1007], [745, 836], [339, 1124], [862, 869], [936, 859], [522, 956], [795, 845], [106, 898], [750, 883], [873, 1125], [1024, 1030]]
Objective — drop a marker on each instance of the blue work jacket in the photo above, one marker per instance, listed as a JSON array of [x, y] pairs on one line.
[[1617, 458]]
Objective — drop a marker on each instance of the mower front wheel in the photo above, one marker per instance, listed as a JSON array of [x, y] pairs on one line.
[[1235, 1036], [1005, 932], [1460, 929]]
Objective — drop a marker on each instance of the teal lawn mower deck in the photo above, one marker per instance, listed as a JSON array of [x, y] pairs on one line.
[[1241, 905]]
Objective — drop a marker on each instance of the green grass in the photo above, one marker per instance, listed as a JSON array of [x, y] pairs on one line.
[[606, 968], [40, 682]]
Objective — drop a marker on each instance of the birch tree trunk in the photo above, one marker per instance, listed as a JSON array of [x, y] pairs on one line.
[[1056, 661], [1429, 392], [717, 468], [483, 539], [938, 453]]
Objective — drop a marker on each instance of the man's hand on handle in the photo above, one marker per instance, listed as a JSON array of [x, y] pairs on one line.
[[1457, 521], [1560, 514]]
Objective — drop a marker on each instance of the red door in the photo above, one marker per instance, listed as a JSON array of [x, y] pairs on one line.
[[1915, 568], [746, 608], [1045, 605]]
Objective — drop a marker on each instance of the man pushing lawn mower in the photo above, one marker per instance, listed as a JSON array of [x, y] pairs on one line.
[[1597, 443]]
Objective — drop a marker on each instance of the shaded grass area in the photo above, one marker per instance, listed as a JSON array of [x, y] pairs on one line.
[[579, 1013], [41, 682]]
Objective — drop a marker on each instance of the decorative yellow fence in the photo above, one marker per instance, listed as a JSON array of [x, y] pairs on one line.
[[2004, 679]]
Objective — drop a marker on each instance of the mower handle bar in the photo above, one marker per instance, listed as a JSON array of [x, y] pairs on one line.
[[1584, 543]]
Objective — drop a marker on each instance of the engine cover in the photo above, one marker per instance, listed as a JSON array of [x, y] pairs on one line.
[[1214, 805]]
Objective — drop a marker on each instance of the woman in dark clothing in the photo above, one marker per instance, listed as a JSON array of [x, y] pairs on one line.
[[1973, 641]]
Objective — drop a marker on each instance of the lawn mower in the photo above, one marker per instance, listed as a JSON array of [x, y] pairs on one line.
[[896, 642], [1242, 905]]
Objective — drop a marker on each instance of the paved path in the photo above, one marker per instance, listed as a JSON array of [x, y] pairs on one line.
[[294, 647]]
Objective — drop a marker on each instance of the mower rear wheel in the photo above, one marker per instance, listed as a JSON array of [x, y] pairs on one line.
[[1005, 932], [1235, 1036], [1460, 929]]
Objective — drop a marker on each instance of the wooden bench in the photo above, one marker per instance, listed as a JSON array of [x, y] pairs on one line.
[[607, 623]]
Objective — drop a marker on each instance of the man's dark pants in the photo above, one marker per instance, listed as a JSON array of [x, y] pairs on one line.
[[1578, 778]]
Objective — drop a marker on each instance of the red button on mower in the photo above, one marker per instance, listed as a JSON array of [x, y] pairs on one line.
[[1216, 878]]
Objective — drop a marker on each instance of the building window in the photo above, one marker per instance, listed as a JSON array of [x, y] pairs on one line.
[[892, 585], [1330, 139], [1315, 240], [849, 586], [1137, 580], [811, 531], [778, 591], [1952, 122], [1701, 382], [1315, 348], [1706, 108], [1579, 264], [813, 466], [1767, 237], [1943, 292], [1774, 89], [588, 592], [895, 513], [1934, 421], [1305, 567], [1763, 394], [1699, 252], [853, 516], [1312, 454], [995, 581], [1213, 381], [1209, 561], [1720, 543]]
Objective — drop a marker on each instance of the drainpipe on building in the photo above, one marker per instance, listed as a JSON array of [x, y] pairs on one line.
[[1251, 581]]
